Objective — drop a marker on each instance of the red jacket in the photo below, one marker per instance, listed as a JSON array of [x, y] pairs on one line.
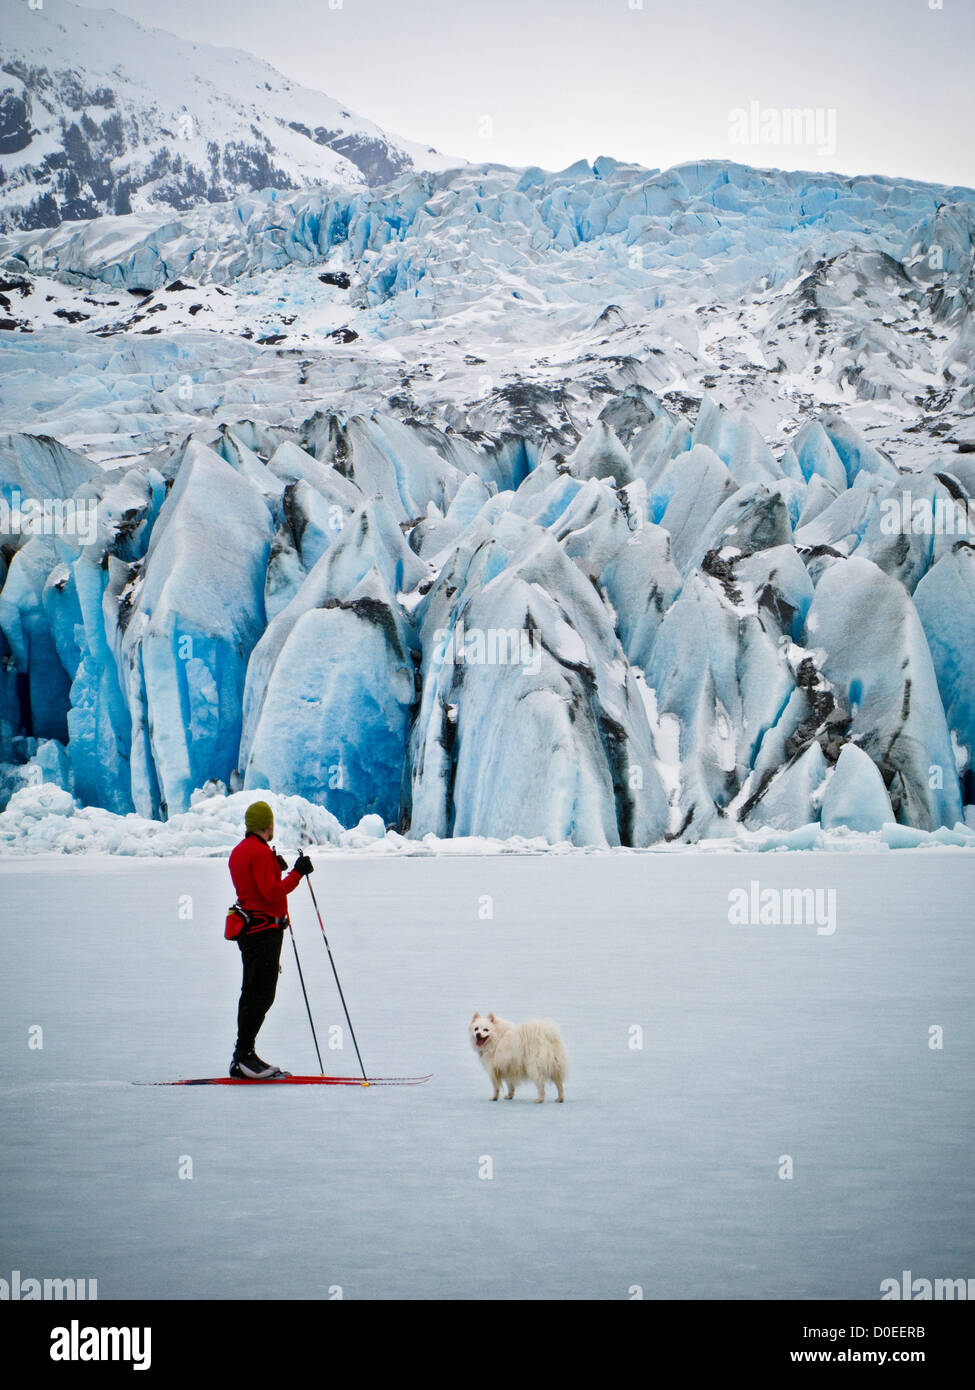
[[257, 875]]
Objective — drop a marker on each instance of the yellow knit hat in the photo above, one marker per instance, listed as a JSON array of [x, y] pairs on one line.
[[259, 817]]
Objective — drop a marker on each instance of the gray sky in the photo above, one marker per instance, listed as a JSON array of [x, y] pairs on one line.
[[657, 82]]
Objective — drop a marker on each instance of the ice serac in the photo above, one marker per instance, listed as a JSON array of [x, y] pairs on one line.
[[641, 582], [839, 527], [99, 722], [945, 603], [336, 713], [818, 457], [856, 455], [727, 680], [754, 518], [546, 494], [530, 722], [39, 467], [631, 412], [876, 658], [912, 525], [790, 799], [855, 797], [601, 455], [437, 534], [737, 442], [31, 632], [387, 459], [10, 713], [686, 495], [819, 495], [315, 518], [330, 685], [187, 620], [312, 505], [781, 586]]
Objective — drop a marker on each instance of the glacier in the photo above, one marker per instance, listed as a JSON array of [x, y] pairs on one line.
[[500, 505], [502, 663]]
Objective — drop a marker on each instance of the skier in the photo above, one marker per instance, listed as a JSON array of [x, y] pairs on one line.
[[262, 890]]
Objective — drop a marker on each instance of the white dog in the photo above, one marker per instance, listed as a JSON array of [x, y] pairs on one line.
[[514, 1052]]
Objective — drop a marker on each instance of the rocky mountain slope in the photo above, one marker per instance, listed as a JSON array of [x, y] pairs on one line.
[[99, 114]]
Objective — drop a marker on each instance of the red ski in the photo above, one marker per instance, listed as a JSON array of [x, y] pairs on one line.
[[294, 1081]]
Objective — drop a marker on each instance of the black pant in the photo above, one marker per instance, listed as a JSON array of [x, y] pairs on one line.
[[261, 952]]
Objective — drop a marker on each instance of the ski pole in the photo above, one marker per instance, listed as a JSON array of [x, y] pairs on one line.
[[336, 974], [305, 993]]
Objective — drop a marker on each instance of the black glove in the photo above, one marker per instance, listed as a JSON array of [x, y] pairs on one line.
[[303, 865], [282, 863]]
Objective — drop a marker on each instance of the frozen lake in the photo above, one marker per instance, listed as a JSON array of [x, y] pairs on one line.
[[762, 1046]]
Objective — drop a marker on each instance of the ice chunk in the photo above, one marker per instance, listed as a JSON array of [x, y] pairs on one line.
[[185, 630], [335, 716], [945, 603], [641, 582], [855, 795], [790, 798], [877, 660], [38, 467], [780, 584], [819, 495], [601, 455], [854, 452], [915, 522], [754, 518], [686, 496], [525, 688], [727, 680], [27, 627], [818, 457], [303, 685]]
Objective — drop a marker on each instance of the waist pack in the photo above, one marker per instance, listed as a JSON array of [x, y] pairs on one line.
[[240, 921]]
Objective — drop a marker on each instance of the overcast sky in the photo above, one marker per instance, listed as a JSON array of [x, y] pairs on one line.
[[552, 81]]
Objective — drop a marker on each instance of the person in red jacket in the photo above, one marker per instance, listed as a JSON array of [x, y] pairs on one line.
[[262, 892]]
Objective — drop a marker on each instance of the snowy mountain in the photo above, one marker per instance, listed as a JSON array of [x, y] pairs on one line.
[[100, 114], [605, 506]]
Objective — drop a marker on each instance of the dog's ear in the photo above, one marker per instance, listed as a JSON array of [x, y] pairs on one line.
[[476, 1016], [491, 1018]]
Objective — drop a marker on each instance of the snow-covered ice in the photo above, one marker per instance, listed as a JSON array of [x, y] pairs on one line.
[[661, 1170]]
